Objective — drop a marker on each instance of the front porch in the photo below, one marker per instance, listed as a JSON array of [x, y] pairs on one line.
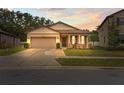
[[74, 41]]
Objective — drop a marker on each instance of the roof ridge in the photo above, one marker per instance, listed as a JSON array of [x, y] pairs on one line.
[[64, 24]]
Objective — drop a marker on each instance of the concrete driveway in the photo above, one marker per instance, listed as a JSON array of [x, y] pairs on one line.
[[30, 58]]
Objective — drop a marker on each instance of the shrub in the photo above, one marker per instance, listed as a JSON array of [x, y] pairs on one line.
[[113, 39], [26, 45], [58, 45]]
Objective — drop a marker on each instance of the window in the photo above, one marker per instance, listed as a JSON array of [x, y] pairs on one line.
[[120, 21], [121, 38]]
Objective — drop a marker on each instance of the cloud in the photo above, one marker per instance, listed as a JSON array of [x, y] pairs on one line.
[[85, 18], [95, 17]]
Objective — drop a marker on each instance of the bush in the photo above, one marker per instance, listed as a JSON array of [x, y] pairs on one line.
[[58, 45], [113, 39], [26, 45]]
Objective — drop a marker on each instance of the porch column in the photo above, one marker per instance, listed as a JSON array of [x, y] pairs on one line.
[[69, 39], [79, 38], [60, 40], [86, 41], [69, 42]]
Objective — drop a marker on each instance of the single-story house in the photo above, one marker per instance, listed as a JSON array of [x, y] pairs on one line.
[[66, 35], [8, 40], [115, 21]]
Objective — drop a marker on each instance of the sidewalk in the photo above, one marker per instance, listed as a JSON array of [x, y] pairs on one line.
[[55, 52], [91, 57]]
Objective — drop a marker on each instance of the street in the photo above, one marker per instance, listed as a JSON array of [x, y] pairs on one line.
[[36, 67], [61, 77]]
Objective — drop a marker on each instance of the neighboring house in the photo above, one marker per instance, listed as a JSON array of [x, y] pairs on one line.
[[8, 40], [116, 19], [68, 37]]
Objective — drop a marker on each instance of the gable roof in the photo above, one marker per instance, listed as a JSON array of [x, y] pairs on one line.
[[75, 31], [68, 31], [64, 24], [109, 17]]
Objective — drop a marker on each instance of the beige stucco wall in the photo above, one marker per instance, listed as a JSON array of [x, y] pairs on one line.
[[43, 32]]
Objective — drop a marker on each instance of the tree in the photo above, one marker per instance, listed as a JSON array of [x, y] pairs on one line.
[[20, 24], [94, 36], [113, 35], [48, 22], [113, 38]]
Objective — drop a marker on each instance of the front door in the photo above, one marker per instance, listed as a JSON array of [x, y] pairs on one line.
[[63, 41]]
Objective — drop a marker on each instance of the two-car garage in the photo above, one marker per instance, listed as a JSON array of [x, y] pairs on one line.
[[43, 42], [44, 38]]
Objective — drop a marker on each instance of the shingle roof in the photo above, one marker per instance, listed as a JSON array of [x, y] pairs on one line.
[[76, 31], [3, 32], [64, 24], [109, 17]]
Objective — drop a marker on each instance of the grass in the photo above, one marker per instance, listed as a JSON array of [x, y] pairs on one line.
[[5, 52], [81, 52], [91, 62]]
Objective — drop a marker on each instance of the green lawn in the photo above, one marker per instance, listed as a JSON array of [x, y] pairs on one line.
[[91, 62], [5, 52], [81, 52]]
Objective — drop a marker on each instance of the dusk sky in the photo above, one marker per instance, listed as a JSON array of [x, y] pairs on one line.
[[83, 18]]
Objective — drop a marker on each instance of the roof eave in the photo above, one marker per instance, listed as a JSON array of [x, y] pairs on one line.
[[109, 17]]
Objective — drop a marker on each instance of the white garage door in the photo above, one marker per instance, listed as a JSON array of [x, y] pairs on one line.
[[43, 42]]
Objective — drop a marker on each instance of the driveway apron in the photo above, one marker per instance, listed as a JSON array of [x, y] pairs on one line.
[[40, 59]]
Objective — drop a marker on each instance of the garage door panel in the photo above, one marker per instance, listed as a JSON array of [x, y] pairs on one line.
[[43, 42]]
